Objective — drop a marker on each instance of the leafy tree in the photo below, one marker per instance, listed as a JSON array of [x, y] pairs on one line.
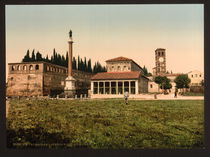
[[149, 74], [145, 70], [163, 82], [182, 81], [146, 73]]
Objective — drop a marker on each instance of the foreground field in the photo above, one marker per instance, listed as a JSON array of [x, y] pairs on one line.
[[106, 124]]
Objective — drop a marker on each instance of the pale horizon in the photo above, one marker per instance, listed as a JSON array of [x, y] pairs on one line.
[[102, 32]]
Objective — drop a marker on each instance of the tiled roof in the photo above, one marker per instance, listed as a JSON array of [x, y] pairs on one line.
[[159, 49], [117, 75], [174, 74], [119, 59]]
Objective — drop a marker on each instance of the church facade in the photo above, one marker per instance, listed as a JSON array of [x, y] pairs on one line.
[[123, 74]]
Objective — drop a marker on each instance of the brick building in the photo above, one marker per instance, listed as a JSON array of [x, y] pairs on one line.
[[42, 78]]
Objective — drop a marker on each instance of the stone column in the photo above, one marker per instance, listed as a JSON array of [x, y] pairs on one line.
[[104, 87], [91, 87], [98, 87], [70, 57], [117, 87], [70, 88], [129, 87], [110, 89], [136, 87], [122, 87]]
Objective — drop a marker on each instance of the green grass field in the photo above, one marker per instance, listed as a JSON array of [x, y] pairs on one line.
[[106, 123]]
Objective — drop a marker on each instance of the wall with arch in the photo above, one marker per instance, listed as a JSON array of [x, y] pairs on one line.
[[41, 78]]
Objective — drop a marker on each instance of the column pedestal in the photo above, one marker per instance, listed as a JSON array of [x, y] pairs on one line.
[[70, 89]]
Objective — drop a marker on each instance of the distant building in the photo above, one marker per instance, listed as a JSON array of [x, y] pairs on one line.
[[196, 77], [123, 74], [160, 62], [42, 78], [160, 70], [154, 87]]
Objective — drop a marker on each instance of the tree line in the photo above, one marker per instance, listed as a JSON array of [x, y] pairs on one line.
[[56, 58], [182, 82]]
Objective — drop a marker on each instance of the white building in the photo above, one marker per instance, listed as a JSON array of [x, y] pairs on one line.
[[196, 77]]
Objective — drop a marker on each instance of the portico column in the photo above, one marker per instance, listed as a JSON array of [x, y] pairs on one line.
[[117, 87], [104, 87], [110, 87], [91, 87], [98, 87], [129, 87], [123, 87], [136, 87]]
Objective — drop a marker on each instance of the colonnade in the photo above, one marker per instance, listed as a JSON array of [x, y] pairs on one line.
[[114, 86]]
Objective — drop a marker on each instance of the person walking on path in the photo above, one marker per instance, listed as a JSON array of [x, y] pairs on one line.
[[126, 95], [175, 93]]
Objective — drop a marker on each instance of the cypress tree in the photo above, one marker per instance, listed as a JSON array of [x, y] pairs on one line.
[[33, 56], [74, 63], [89, 66], [47, 59], [26, 57], [79, 66], [67, 58], [85, 65], [38, 56], [63, 60]]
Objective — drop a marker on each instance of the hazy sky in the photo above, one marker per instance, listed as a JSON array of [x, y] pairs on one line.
[[102, 32]]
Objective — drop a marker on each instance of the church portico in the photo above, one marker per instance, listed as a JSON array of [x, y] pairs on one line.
[[114, 83], [114, 86]]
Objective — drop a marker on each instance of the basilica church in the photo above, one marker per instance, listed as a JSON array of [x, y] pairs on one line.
[[123, 74]]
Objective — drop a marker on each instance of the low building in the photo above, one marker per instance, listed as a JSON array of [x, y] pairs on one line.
[[154, 87], [196, 77], [123, 74], [42, 78]]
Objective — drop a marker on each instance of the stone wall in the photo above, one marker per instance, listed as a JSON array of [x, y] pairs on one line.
[[143, 85], [118, 66], [41, 78], [134, 67], [153, 87]]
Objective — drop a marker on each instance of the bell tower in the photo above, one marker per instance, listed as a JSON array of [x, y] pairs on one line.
[[160, 61]]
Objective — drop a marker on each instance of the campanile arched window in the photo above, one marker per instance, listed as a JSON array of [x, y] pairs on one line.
[[37, 67], [24, 67], [31, 67]]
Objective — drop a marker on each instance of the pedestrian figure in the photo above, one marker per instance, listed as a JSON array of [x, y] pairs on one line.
[[126, 95], [175, 93], [155, 96]]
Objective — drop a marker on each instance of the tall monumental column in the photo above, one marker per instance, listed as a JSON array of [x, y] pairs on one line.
[[70, 88]]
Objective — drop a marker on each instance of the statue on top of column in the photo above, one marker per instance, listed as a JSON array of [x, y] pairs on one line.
[[70, 34]]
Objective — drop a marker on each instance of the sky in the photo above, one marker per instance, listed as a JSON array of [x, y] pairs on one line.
[[102, 32]]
